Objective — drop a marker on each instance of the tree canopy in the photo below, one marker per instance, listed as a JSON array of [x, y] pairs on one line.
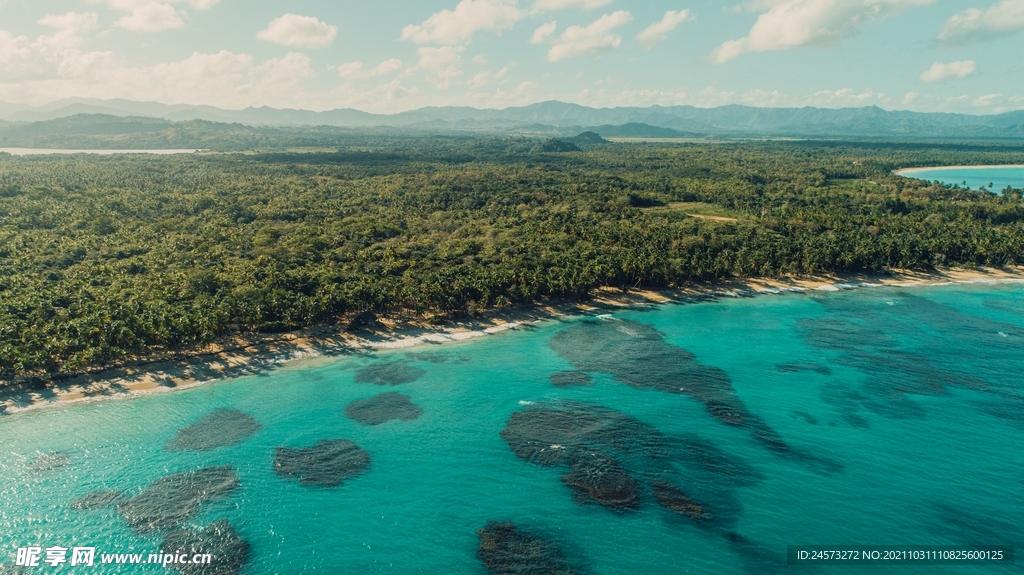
[[105, 258]]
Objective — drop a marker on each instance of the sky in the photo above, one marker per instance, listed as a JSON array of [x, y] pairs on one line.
[[388, 56]]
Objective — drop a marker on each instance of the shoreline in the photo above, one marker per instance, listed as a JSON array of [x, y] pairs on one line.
[[250, 356], [905, 171]]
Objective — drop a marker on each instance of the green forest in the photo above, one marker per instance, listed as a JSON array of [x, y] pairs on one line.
[[104, 258]]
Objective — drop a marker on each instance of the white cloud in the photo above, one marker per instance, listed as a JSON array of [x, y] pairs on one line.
[[656, 33], [590, 40], [543, 32], [840, 98], [523, 94], [796, 23], [480, 80], [483, 78], [296, 30], [974, 25], [639, 98], [70, 21], [129, 5], [551, 5], [21, 57], [442, 64], [223, 70], [986, 101], [46, 56], [386, 67], [845, 98], [287, 72], [83, 65], [151, 17], [222, 79], [951, 71], [356, 70], [459, 25]]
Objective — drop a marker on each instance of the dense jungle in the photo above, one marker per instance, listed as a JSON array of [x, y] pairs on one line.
[[104, 258]]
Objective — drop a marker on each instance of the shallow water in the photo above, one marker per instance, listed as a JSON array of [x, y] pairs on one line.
[[994, 178], [900, 415]]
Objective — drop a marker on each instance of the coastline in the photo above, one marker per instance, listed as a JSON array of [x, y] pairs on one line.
[[905, 171], [249, 356]]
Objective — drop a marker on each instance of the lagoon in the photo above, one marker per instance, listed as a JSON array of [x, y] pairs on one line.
[[972, 177], [858, 417]]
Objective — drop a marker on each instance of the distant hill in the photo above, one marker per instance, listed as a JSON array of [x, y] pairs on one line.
[[638, 130], [83, 124], [556, 145], [728, 121], [104, 131], [588, 138]]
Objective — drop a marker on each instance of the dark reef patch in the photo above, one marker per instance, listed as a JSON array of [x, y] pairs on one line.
[[907, 345], [507, 550], [968, 526], [437, 357], [807, 417], [227, 550], [98, 499], [637, 354], [759, 559], [49, 462], [170, 500], [382, 408], [594, 475], [389, 373], [1005, 306], [798, 366], [847, 402], [609, 457], [571, 379], [1008, 408], [672, 498], [711, 461], [219, 428], [553, 435], [327, 464]]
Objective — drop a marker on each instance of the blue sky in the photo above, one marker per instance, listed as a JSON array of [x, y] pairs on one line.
[[394, 55]]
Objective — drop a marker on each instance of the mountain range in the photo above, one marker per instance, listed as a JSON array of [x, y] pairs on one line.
[[560, 118]]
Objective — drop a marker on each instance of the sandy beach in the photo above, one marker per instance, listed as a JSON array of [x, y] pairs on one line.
[[247, 356], [907, 171]]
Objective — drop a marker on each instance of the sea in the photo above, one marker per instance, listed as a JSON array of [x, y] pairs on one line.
[[703, 436], [991, 178]]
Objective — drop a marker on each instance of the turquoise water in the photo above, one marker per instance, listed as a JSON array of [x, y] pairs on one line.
[[1000, 177], [871, 417]]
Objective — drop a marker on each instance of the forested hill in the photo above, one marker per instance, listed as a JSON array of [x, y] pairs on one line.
[[724, 121], [109, 257], [103, 131]]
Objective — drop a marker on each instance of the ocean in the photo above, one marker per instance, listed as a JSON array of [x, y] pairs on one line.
[[691, 437], [993, 178]]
